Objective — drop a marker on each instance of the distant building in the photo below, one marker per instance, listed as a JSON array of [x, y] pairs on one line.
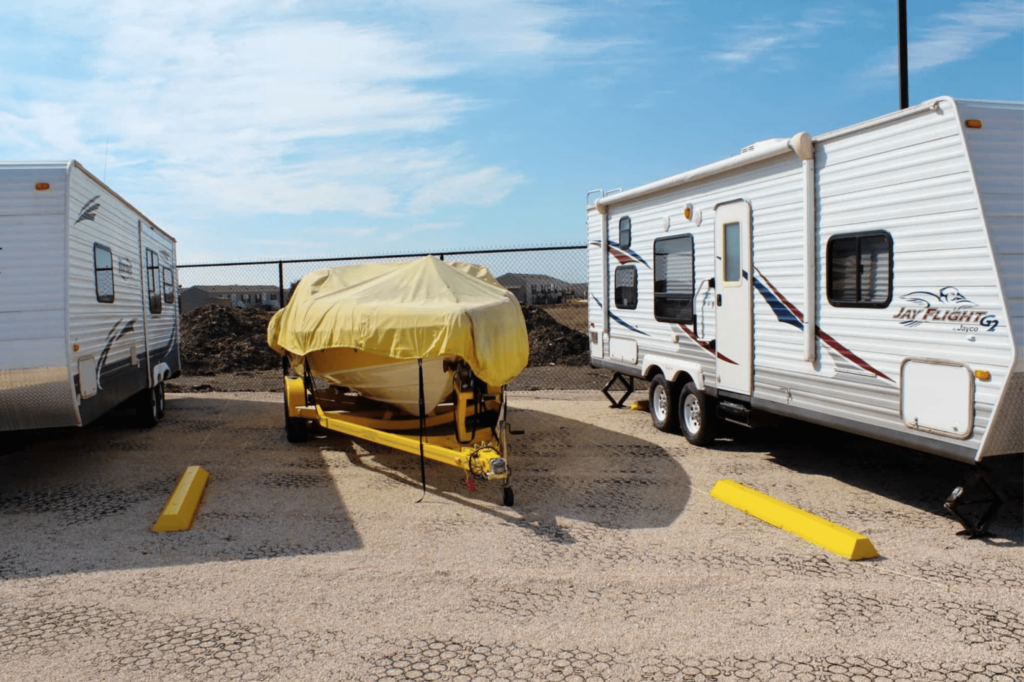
[[266, 297], [541, 289]]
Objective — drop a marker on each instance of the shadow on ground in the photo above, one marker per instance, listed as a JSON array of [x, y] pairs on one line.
[[82, 500], [907, 476], [562, 469]]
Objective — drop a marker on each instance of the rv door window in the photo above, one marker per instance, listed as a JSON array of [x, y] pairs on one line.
[[168, 286], [860, 270], [156, 304], [625, 287], [673, 279], [625, 232], [732, 252], [103, 262]]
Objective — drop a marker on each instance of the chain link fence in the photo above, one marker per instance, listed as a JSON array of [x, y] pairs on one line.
[[226, 306]]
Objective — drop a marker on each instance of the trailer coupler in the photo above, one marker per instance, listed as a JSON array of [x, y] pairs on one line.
[[977, 478]]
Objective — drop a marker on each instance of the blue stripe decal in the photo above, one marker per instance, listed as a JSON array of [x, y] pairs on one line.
[[618, 319], [781, 311], [629, 252]]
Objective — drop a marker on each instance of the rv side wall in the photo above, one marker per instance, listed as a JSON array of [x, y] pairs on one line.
[[35, 384]]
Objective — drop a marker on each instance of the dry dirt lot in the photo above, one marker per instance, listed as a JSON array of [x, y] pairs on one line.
[[319, 561]]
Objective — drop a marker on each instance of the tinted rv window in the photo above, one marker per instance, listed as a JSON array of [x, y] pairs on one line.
[[168, 286], [625, 287], [860, 270], [156, 304], [625, 232], [103, 262], [673, 279]]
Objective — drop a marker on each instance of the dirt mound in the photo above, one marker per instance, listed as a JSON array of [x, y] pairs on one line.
[[215, 339], [552, 343]]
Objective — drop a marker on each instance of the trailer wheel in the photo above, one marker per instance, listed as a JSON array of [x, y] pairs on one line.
[[295, 428], [662, 404], [508, 498], [160, 399], [149, 406], [696, 415]]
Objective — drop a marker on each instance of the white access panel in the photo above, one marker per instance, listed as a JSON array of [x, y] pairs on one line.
[[623, 350], [937, 396]]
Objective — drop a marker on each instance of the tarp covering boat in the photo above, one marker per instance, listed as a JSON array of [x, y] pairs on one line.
[[423, 309]]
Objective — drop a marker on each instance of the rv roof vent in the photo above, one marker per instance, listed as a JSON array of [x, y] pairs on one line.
[[748, 148]]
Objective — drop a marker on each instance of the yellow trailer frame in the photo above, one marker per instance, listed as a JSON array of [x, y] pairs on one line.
[[458, 433]]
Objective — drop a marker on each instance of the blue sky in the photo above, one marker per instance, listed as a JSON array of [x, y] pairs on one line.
[[288, 128]]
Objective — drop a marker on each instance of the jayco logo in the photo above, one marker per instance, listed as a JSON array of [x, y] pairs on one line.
[[946, 306]]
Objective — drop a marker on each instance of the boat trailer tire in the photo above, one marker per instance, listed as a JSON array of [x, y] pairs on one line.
[[508, 498], [662, 404], [696, 415], [296, 429], [149, 406]]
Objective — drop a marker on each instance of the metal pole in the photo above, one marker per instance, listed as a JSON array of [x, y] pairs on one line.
[[904, 85], [280, 304]]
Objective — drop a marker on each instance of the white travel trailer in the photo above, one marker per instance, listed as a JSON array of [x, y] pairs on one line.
[[88, 314], [870, 279]]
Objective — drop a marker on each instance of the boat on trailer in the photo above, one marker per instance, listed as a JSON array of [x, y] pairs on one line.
[[412, 355]]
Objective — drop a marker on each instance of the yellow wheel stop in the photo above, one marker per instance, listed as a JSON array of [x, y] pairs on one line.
[[814, 529], [181, 508]]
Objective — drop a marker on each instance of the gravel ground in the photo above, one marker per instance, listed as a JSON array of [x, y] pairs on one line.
[[318, 562]]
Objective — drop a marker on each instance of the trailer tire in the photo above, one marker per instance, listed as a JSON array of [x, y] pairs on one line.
[[508, 498], [662, 401], [295, 428], [161, 399], [149, 406], [696, 415]]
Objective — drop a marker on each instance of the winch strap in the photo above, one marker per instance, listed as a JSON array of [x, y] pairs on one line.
[[423, 429]]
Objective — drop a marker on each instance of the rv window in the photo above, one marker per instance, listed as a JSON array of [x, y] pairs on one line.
[[732, 252], [860, 270], [103, 262], [625, 287], [156, 304], [625, 232], [168, 286], [673, 279]]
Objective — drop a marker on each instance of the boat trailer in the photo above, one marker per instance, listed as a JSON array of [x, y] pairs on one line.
[[469, 432]]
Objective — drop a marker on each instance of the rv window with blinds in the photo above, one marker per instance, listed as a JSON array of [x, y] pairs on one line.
[[860, 270], [625, 287], [103, 263], [156, 304], [625, 232], [673, 279]]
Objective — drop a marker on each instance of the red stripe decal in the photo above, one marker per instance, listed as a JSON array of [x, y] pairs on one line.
[[838, 347], [705, 345], [621, 256]]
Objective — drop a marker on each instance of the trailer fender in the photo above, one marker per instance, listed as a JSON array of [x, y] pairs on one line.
[[673, 367], [161, 372]]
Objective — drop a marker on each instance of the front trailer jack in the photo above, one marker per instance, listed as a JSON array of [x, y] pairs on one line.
[[977, 478]]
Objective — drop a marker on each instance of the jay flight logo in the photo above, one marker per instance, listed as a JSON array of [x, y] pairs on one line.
[[89, 210], [948, 305]]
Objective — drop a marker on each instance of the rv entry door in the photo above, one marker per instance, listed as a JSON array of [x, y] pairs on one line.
[[734, 312]]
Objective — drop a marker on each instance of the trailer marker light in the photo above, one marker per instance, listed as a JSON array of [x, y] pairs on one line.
[[973, 123], [75, 347], [982, 374], [42, 186], [688, 211]]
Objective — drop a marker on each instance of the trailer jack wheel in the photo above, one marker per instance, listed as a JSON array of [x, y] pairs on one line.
[[295, 428], [978, 478], [508, 498]]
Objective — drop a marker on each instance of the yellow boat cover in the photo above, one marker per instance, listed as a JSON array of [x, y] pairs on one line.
[[424, 308]]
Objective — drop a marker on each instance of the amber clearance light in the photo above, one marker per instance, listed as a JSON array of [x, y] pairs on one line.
[[972, 123], [982, 374], [42, 186]]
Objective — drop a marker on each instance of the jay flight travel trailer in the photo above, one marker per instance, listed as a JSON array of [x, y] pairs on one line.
[[870, 279], [88, 311]]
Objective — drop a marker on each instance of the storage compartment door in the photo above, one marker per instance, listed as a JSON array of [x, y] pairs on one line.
[[937, 396]]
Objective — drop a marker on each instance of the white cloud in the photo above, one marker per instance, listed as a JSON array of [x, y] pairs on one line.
[[957, 35], [477, 188], [772, 42], [250, 107]]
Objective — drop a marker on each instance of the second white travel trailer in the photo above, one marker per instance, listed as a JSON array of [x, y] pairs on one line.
[[870, 279], [88, 311]]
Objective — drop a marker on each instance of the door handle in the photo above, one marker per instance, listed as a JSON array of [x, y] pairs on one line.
[[718, 300]]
